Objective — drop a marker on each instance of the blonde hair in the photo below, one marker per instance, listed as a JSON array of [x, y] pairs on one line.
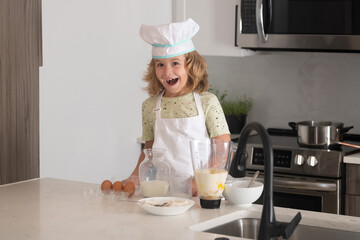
[[197, 75]]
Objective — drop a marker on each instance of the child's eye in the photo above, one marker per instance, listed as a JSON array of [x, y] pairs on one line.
[[159, 65], [175, 63]]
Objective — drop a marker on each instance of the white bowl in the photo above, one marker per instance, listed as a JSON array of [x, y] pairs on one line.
[[238, 193], [165, 206]]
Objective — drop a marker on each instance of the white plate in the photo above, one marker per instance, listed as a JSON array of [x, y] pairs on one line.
[[165, 206]]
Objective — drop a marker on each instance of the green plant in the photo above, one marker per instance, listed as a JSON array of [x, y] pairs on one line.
[[239, 107]]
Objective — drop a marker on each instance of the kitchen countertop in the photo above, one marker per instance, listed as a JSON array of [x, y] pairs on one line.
[[353, 158], [59, 209]]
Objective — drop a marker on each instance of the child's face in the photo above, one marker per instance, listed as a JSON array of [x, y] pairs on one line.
[[172, 74]]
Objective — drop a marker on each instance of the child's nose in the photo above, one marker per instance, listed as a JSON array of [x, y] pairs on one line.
[[168, 71]]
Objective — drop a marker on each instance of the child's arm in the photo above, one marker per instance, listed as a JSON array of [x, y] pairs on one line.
[[224, 137], [148, 144]]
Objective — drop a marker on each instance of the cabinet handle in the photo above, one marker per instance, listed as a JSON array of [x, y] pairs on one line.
[[236, 24], [39, 29]]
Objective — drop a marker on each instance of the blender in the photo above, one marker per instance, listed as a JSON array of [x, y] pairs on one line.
[[210, 160]]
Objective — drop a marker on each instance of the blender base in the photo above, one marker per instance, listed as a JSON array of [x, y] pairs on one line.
[[210, 203]]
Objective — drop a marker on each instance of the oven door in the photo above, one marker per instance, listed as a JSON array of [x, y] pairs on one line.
[[299, 24], [305, 193]]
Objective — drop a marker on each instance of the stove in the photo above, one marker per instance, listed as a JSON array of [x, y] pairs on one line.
[[289, 158], [304, 178]]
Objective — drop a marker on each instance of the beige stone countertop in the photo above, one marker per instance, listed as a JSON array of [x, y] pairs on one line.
[[60, 209]]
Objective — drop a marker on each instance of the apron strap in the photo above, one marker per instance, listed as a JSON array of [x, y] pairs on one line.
[[198, 104], [157, 109]]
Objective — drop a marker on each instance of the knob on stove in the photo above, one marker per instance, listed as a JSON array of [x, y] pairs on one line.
[[312, 161], [299, 159]]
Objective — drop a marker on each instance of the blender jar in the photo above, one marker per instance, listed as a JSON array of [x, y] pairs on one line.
[[210, 162]]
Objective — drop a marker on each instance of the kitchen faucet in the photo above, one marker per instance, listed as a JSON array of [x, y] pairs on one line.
[[269, 227]]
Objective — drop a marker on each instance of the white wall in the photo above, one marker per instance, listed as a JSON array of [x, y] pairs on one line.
[[293, 86], [91, 87]]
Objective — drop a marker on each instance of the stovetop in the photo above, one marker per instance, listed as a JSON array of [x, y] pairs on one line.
[[288, 138], [289, 158]]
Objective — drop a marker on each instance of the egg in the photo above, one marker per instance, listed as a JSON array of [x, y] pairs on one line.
[[129, 188], [106, 185], [117, 186]]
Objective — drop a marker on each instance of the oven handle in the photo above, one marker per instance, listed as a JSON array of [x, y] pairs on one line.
[[314, 186], [301, 185]]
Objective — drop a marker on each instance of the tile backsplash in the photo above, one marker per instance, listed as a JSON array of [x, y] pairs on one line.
[[292, 86]]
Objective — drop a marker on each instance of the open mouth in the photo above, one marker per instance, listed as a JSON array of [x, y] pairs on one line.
[[172, 81]]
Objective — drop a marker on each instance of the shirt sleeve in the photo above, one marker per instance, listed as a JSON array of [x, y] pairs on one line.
[[214, 116], [148, 119]]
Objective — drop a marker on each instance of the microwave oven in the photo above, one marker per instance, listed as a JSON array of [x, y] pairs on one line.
[[300, 25]]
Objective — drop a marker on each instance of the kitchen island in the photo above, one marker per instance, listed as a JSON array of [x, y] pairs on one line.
[[58, 209]]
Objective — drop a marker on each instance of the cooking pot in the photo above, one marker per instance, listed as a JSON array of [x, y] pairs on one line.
[[320, 134]]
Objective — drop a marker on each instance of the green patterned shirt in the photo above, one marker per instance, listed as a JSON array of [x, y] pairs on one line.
[[183, 107]]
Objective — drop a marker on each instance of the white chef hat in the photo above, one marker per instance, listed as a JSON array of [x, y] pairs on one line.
[[170, 40]]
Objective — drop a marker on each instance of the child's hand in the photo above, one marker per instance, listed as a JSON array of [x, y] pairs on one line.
[[194, 188], [134, 179]]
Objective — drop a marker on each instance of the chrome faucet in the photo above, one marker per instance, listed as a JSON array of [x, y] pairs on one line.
[[269, 227]]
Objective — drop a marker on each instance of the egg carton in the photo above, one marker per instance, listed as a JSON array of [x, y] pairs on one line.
[[111, 195]]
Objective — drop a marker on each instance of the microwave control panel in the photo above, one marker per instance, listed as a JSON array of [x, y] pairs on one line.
[[282, 158], [248, 18]]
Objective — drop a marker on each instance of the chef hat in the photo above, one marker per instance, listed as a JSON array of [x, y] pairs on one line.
[[170, 40]]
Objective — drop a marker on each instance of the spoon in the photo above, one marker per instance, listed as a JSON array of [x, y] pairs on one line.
[[253, 179]]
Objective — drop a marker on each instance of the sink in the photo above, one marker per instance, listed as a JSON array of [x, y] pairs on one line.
[[245, 228], [249, 227]]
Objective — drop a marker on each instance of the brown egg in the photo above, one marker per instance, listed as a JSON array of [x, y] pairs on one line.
[[117, 186], [106, 185], [129, 188]]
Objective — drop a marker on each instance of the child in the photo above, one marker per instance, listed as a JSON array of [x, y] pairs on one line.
[[179, 107]]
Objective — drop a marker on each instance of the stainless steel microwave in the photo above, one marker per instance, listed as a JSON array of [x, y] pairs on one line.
[[305, 25]]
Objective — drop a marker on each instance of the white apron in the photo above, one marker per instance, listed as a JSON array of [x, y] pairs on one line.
[[174, 135]]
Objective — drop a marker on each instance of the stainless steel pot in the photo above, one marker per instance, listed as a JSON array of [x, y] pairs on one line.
[[319, 134]]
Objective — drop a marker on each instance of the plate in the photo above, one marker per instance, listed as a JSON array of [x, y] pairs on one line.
[[165, 206]]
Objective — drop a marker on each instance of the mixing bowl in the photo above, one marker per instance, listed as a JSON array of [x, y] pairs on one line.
[[238, 193]]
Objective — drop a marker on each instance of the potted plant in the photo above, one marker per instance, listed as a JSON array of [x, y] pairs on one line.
[[235, 111]]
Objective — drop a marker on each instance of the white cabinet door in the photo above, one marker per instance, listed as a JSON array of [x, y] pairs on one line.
[[217, 25]]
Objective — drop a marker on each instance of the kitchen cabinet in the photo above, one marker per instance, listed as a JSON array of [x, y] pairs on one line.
[[352, 196], [20, 58], [216, 36]]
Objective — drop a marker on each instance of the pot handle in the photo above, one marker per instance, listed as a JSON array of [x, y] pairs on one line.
[[293, 125], [345, 129]]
